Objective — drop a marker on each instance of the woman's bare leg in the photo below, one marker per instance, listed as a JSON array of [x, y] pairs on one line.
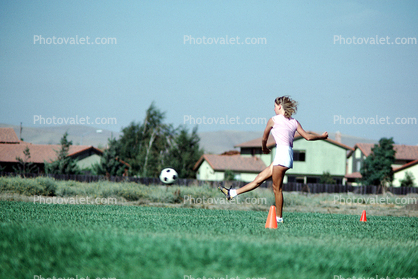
[[261, 177], [278, 174]]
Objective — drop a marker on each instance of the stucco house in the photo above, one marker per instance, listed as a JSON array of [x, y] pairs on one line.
[[399, 173], [11, 148], [404, 154]]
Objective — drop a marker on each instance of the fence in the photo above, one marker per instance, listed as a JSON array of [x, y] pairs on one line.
[[289, 187]]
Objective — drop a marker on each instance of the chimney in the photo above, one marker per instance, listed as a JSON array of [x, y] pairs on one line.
[[338, 136]]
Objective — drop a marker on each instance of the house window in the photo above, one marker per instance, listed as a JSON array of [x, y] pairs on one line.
[[291, 179], [256, 151], [312, 180], [358, 166], [299, 155], [300, 179]]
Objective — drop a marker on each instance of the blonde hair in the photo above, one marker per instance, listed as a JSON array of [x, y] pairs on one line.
[[289, 106]]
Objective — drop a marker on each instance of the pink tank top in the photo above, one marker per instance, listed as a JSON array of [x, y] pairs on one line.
[[284, 130]]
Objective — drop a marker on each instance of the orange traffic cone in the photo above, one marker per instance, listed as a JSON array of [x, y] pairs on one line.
[[271, 222], [363, 217]]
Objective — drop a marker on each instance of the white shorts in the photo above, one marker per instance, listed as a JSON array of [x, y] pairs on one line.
[[284, 156]]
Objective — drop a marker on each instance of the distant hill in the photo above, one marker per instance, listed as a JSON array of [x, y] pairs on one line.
[[212, 142], [220, 141]]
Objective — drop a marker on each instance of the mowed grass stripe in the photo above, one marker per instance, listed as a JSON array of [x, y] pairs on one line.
[[146, 242]]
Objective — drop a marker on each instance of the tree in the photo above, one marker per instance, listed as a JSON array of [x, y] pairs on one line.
[[326, 178], [63, 164], [229, 175], [408, 181], [24, 165], [377, 167], [153, 145], [144, 146], [130, 144], [184, 153], [110, 164]]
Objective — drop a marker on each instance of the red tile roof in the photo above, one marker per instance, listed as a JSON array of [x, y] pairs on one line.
[[271, 142], [358, 175], [231, 153], [232, 162], [403, 152], [410, 164], [38, 152], [8, 135]]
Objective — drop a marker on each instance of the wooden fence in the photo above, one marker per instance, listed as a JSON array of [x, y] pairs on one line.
[[289, 187]]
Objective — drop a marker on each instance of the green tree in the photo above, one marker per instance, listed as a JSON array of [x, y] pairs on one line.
[[326, 178], [63, 164], [377, 167], [408, 180], [145, 146], [157, 140], [130, 145], [24, 166], [110, 164], [184, 152], [229, 175]]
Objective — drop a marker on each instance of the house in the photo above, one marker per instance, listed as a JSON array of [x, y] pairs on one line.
[[12, 148], [399, 173], [404, 154], [310, 158], [212, 167]]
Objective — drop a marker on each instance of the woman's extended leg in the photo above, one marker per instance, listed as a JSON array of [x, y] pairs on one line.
[[278, 174], [261, 177]]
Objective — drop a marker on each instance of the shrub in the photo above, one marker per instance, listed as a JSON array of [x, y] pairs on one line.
[[29, 186]]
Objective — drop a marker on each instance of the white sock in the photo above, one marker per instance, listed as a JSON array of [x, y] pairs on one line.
[[233, 193]]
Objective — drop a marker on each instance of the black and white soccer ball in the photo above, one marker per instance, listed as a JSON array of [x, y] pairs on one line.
[[168, 176]]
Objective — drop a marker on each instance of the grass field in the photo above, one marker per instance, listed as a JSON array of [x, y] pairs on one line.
[[46, 240]]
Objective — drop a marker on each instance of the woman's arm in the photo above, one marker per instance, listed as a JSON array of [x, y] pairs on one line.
[[266, 133], [307, 136]]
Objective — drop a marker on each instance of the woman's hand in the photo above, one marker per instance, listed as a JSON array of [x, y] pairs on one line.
[[265, 150]]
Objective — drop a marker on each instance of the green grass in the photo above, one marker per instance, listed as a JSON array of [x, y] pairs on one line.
[[146, 242]]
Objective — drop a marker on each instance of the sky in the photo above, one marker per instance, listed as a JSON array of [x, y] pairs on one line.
[[218, 65]]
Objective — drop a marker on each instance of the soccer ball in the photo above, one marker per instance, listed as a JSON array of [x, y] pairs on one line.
[[168, 176]]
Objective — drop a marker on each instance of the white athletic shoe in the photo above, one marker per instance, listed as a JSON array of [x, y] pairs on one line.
[[279, 220]]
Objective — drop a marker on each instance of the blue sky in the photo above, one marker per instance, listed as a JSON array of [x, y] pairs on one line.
[[332, 81]]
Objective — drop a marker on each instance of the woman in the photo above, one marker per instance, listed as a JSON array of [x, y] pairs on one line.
[[283, 128]]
